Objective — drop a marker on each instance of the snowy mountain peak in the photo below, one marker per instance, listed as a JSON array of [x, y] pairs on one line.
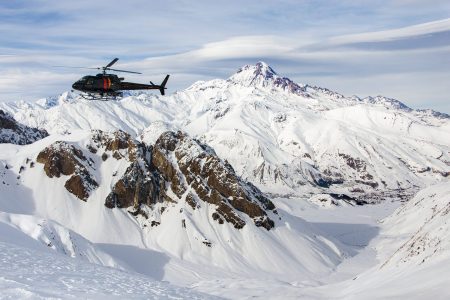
[[263, 76], [387, 102], [66, 97], [253, 74]]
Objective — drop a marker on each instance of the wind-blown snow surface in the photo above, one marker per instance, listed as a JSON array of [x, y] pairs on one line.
[[302, 144], [30, 273]]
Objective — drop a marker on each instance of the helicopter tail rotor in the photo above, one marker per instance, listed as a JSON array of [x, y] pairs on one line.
[[162, 87]]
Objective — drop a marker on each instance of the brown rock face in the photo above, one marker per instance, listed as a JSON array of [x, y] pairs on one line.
[[136, 187], [179, 168], [114, 142], [80, 185], [183, 161], [61, 158]]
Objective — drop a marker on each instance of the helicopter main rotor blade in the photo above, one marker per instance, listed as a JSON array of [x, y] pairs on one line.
[[112, 62], [122, 71], [74, 67]]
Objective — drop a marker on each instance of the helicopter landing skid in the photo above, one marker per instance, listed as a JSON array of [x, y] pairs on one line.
[[101, 97]]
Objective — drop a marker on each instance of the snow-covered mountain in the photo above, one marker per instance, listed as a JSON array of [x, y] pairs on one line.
[[16, 133], [245, 184], [275, 133]]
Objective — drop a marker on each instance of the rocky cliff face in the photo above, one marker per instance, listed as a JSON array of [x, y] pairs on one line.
[[15, 133], [179, 168], [61, 158], [196, 174], [139, 185]]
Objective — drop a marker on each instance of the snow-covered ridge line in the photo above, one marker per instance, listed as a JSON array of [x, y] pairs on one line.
[[296, 134]]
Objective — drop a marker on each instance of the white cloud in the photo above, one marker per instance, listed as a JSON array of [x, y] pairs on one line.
[[394, 34]]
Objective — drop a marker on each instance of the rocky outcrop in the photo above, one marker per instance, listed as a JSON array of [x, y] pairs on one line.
[[138, 186], [360, 167], [177, 170], [195, 172], [61, 158], [15, 133], [181, 169], [117, 144]]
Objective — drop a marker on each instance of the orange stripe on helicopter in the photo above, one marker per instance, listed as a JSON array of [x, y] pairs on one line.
[[104, 83], [109, 83]]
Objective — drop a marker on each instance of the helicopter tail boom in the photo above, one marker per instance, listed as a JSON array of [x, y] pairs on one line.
[[139, 86]]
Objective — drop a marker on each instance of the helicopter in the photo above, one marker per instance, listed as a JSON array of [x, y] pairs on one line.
[[104, 86]]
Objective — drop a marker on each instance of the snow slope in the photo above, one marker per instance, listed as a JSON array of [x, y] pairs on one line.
[[30, 273], [412, 254], [291, 247]]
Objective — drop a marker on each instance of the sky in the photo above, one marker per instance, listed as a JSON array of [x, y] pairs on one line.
[[399, 48]]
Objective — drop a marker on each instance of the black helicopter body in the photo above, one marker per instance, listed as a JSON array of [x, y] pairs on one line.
[[106, 86]]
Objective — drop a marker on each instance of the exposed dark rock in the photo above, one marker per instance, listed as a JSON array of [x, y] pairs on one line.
[[176, 157], [191, 201], [360, 167], [354, 163], [137, 186], [7, 122], [92, 149], [80, 185], [61, 158], [164, 174], [117, 155], [15, 133], [115, 142], [373, 184]]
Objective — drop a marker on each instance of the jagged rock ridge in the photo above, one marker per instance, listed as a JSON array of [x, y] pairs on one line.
[[15, 133], [61, 158], [179, 168], [198, 174]]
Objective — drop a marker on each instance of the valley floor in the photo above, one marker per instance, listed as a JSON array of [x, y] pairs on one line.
[[356, 227], [28, 272]]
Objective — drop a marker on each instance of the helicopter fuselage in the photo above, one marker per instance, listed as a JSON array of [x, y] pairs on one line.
[[104, 86], [108, 84]]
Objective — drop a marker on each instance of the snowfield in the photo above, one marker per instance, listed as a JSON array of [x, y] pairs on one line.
[[36, 274], [360, 189]]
